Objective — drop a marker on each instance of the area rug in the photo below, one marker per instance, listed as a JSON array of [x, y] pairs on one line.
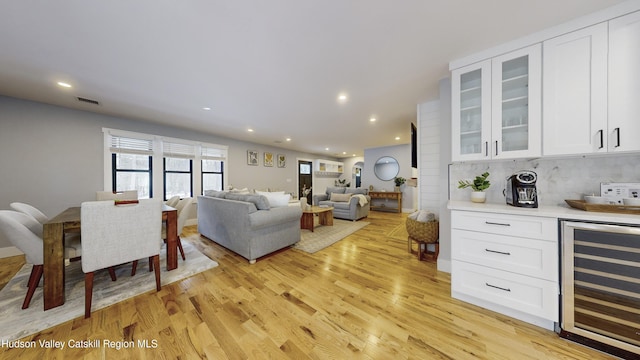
[[324, 236], [16, 323]]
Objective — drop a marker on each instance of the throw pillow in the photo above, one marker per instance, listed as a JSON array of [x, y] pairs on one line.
[[337, 190], [215, 193], [335, 197], [277, 199], [259, 201], [357, 191]]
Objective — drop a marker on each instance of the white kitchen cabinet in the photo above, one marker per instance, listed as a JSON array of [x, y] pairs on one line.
[[506, 263], [471, 116], [624, 83], [496, 107], [575, 92]]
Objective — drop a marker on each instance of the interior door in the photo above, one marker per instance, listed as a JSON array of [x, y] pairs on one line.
[[305, 180]]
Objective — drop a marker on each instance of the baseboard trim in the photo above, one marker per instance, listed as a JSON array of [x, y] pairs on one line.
[[9, 252]]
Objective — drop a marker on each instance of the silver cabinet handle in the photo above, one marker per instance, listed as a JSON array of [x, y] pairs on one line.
[[498, 287], [495, 223], [497, 252]]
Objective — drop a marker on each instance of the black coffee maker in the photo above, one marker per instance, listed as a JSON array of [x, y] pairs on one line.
[[521, 189]]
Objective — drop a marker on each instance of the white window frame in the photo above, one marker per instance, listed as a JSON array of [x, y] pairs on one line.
[[158, 155]]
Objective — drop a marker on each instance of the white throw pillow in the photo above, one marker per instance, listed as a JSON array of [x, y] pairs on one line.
[[277, 199]]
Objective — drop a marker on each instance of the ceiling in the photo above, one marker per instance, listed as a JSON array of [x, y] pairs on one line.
[[276, 67]]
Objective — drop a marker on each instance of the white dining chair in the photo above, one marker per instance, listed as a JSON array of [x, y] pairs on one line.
[[117, 234], [173, 201], [119, 195], [25, 233], [30, 210]]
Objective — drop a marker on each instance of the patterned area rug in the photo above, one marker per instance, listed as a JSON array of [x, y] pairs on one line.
[[16, 323], [324, 236]]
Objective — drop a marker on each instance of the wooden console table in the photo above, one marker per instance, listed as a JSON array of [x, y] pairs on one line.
[[395, 196]]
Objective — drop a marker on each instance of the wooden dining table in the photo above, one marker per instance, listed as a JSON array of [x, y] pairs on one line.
[[69, 221]]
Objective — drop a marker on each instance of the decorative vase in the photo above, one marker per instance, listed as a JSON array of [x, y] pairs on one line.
[[396, 189], [478, 196]]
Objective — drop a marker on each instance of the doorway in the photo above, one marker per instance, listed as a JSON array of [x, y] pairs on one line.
[[305, 180], [357, 173]]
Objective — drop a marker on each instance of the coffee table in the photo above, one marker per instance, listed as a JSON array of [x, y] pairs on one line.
[[325, 217]]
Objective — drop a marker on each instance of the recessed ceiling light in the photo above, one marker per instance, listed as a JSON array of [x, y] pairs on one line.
[[64, 84], [353, 155], [372, 119], [344, 153], [250, 130], [397, 137], [326, 149], [342, 97], [288, 139], [206, 108]]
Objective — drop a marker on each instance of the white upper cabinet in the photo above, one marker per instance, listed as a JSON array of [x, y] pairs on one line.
[[496, 107], [516, 122], [624, 83], [575, 92], [471, 98]]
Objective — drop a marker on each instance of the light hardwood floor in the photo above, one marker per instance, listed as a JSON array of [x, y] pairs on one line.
[[365, 297]]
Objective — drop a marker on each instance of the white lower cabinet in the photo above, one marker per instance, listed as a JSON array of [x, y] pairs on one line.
[[507, 263]]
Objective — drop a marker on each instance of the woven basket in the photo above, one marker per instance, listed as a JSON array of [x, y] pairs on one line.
[[423, 231]]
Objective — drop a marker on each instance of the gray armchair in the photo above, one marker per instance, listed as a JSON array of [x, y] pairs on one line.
[[348, 203]]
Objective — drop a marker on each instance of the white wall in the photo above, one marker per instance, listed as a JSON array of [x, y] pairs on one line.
[[402, 153], [52, 157]]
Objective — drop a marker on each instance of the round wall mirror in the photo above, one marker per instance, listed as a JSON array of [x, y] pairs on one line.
[[386, 168]]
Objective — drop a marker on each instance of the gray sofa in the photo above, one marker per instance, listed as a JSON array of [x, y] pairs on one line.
[[350, 209], [246, 224]]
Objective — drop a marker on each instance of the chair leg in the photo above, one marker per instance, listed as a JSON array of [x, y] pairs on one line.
[[181, 249], [88, 292], [34, 280], [156, 266], [150, 264], [134, 267], [112, 273]]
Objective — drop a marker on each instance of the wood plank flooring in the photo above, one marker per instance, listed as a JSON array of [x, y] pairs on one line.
[[364, 297]]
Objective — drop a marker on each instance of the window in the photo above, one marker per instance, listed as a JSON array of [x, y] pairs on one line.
[[178, 177], [131, 165], [178, 169], [212, 168], [212, 171], [137, 161]]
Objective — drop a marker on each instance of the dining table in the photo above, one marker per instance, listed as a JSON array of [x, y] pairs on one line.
[[68, 221]]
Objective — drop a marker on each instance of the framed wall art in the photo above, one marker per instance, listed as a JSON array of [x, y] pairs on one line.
[[282, 160], [252, 157], [268, 159]]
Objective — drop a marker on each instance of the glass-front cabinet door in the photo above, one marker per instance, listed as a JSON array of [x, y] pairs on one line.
[[516, 106], [471, 111]]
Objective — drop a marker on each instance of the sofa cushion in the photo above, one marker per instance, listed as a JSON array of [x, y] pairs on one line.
[[337, 190], [215, 193], [336, 197], [357, 191], [260, 201]]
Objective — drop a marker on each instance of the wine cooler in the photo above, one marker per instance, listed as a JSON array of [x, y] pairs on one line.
[[601, 286]]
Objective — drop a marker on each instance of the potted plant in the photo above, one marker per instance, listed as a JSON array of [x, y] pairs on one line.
[[399, 180], [478, 185]]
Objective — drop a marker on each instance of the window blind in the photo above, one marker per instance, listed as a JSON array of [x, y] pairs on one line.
[[213, 153], [122, 144], [178, 150]]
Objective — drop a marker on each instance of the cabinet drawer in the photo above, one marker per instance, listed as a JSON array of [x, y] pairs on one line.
[[519, 255], [526, 294], [516, 225]]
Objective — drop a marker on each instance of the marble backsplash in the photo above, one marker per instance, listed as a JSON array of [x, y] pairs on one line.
[[558, 179]]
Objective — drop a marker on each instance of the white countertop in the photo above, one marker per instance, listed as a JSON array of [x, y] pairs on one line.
[[559, 212]]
